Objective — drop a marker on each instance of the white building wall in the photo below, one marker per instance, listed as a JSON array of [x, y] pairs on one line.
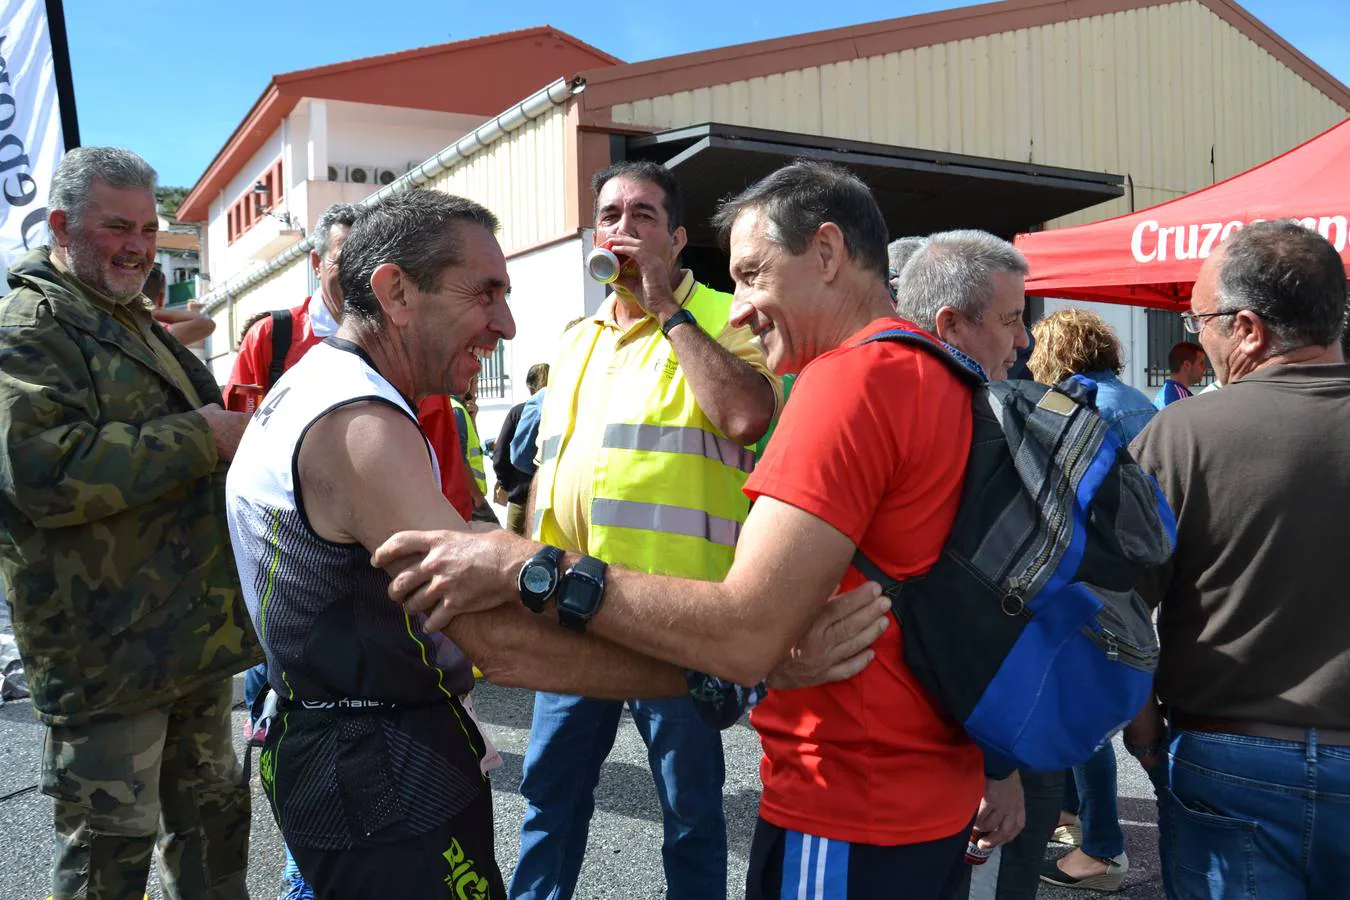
[[315, 134], [549, 288], [364, 134], [319, 195], [520, 177], [215, 235], [171, 263], [227, 259]]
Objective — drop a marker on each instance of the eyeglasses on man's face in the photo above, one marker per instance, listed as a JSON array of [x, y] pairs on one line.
[[1192, 322]]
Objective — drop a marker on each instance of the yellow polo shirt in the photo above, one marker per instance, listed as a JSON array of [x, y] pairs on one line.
[[616, 352]]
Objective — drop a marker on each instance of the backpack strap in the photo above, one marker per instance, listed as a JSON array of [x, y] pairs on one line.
[[969, 373], [891, 587], [281, 345], [966, 369]]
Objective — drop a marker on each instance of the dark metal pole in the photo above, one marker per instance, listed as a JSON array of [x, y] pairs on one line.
[[65, 83]]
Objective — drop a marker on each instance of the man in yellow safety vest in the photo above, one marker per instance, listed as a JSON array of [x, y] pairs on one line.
[[652, 404]]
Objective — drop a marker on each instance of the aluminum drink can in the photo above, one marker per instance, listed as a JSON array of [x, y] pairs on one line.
[[603, 264]]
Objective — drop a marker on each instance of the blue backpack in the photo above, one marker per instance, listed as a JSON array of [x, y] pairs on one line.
[[1028, 629]]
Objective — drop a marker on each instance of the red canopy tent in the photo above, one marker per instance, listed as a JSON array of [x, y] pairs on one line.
[[1151, 257]]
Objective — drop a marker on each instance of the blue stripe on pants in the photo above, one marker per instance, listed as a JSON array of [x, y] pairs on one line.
[[814, 868], [835, 882]]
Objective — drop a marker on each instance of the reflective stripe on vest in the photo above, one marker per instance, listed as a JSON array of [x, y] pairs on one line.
[[476, 467], [550, 449], [665, 519], [665, 491], [473, 447], [679, 439]]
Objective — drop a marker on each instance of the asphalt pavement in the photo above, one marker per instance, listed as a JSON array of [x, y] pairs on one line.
[[623, 859]]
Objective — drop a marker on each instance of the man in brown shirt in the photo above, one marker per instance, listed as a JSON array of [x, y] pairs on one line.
[[1253, 766]]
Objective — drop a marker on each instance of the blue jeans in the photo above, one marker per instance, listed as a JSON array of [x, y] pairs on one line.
[[1247, 817], [255, 679], [569, 740], [1091, 793]]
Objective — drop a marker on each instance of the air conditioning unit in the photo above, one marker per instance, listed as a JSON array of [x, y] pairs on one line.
[[361, 174], [385, 176], [337, 173]]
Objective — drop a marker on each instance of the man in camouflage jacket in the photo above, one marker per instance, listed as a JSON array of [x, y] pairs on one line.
[[114, 552]]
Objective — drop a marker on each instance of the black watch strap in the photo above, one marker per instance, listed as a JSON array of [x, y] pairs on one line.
[[580, 593], [549, 557], [682, 317]]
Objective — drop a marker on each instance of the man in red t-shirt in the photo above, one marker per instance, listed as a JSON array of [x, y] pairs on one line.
[[317, 318], [870, 789]]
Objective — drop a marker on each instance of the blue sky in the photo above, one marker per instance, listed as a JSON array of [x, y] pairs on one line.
[[172, 79]]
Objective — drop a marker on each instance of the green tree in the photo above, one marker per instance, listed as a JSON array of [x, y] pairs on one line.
[[170, 198]]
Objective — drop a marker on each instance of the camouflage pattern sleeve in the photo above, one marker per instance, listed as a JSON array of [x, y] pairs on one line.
[[73, 452]]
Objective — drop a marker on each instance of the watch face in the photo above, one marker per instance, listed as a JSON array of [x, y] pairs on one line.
[[581, 596], [537, 579]]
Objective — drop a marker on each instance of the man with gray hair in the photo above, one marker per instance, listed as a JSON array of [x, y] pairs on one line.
[[1253, 761], [114, 554], [968, 288], [898, 253]]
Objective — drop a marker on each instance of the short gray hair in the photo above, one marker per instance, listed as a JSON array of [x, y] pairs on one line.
[[339, 215], [79, 168], [899, 251], [955, 269]]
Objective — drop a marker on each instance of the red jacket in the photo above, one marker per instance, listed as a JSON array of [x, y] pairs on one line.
[[433, 413]]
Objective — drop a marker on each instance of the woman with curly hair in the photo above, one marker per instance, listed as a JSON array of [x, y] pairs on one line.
[[1077, 342]]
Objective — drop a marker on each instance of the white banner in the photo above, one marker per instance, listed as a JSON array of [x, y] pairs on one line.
[[31, 142]]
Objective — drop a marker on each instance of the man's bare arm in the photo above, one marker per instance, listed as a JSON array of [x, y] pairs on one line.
[[738, 399], [365, 474], [738, 629], [743, 627], [531, 498], [187, 326]]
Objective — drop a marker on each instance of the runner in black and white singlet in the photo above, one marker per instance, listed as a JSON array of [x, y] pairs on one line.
[[371, 749]]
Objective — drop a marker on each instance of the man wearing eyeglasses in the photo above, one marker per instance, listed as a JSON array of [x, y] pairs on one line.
[[1253, 761], [1186, 367]]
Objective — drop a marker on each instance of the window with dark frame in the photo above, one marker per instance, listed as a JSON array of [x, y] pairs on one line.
[[493, 380], [248, 210]]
